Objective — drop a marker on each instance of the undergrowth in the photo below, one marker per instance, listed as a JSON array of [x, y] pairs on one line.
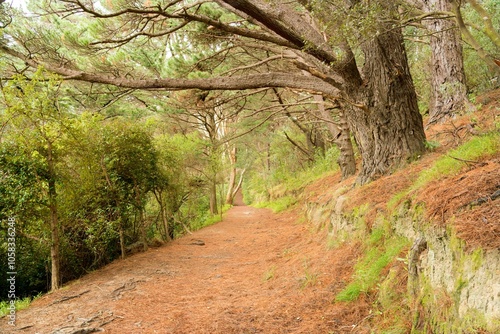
[[451, 163], [209, 219], [20, 304], [471, 152], [279, 204], [380, 251], [278, 191]]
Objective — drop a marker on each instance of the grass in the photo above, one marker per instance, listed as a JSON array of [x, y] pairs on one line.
[[380, 252], [286, 184], [20, 304], [278, 205], [451, 163], [269, 274], [210, 220], [309, 278]]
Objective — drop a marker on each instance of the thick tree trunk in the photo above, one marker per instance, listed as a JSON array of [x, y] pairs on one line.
[[341, 136], [448, 88], [385, 121]]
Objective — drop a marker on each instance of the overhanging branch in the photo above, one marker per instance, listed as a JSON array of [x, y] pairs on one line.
[[274, 79]]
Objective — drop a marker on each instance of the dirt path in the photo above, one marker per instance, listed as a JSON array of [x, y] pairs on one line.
[[255, 272]]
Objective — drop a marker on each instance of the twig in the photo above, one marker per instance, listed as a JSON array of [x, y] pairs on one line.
[[468, 161]]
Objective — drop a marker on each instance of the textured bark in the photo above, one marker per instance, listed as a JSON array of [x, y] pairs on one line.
[[342, 138], [448, 87], [346, 159], [386, 123]]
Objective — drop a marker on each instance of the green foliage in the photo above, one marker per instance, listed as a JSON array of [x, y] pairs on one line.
[[288, 179], [380, 251], [479, 77], [476, 148], [431, 145], [111, 176], [21, 194], [278, 205], [20, 304], [208, 219], [31, 262], [310, 278]]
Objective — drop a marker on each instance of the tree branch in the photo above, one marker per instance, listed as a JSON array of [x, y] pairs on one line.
[[275, 79]]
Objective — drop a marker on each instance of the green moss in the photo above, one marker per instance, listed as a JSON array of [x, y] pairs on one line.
[[439, 308], [477, 257]]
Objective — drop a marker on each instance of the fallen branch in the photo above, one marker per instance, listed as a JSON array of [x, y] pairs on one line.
[[482, 200], [87, 330], [197, 242]]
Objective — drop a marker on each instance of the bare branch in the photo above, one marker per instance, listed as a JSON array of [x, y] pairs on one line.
[[276, 79]]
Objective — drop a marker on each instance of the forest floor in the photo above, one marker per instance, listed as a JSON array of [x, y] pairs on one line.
[[260, 272], [254, 272]]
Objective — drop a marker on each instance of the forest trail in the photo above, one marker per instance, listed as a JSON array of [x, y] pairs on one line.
[[254, 272]]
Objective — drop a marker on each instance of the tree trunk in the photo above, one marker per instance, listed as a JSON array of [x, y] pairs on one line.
[[346, 159], [54, 222], [122, 241], [54, 246], [163, 215], [232, 175], [448, 88], [385, 119], [142, 223], [342, 138], [213, 196], [231, 185]]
